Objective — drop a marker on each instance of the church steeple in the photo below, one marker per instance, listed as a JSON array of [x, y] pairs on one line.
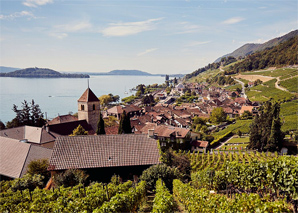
[[89, 108]]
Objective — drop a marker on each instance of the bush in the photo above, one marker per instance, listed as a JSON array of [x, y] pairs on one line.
[[70, 177], [39, 167], [161, 171]]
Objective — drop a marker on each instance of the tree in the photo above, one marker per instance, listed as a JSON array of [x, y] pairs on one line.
[[167, 77], [100, 126], [148, 100], [2, 126], [246, 115], [175, 81], [39, 167], [30, 114], [218, 115], [124, 125], [239, 133], [79, 131], [265, 130], [105, 100], [160, 171]]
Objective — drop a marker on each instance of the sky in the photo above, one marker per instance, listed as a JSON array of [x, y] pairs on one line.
[[156, 36]]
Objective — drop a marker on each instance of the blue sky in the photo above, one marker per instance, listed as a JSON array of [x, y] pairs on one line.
[[156, 36]]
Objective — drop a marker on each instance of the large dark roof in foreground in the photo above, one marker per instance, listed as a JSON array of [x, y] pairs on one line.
[[103, 151]]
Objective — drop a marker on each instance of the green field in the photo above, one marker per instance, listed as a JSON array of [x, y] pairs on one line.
[[233, 87], [242, 125], [266, 91], [204, 75], [289, 115], [239, 140], [290, 84], [283, 72]]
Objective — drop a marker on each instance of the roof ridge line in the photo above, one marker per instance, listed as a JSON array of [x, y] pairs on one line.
[[25, 160]]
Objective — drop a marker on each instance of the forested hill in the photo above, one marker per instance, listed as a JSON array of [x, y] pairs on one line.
[[281, 55], [252, 48], [215, 65], [41, 73]]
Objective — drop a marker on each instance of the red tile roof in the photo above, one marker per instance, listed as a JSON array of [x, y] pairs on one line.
[[104, 151], [88, 96], [63, 119]]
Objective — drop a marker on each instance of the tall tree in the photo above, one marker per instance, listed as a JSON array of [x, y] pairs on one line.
[[100, 126], [265, 130], [218, 115], [30, 114], [124, 125]]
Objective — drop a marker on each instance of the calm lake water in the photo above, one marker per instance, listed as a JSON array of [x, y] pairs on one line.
[[59, 95]]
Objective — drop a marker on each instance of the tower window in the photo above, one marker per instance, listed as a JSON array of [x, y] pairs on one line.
[[93, 106], [82, 107]]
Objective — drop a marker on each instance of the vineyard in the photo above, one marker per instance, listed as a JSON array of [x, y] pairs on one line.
[[98, 198], [220, 182], [217, 160]]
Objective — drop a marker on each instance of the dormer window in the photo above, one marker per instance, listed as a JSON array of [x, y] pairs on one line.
[[82, 107]]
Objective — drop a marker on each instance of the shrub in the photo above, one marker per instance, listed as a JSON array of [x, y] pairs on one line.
[[39, 167], [70, 177], [161, 171]]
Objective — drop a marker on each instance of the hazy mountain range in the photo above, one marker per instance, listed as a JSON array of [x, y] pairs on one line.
[[250, 48]]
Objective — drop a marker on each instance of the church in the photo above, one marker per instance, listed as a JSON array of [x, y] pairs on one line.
[[88, 116]]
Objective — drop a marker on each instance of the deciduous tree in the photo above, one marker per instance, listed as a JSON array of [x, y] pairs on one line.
[[79, 131]]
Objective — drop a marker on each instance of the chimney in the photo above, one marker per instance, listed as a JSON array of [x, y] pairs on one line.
[[47, 128], [150, 133]]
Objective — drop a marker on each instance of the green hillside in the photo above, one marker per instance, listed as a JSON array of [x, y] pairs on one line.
[[281, 55]]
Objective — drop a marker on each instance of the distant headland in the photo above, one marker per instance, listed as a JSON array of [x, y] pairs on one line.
[[36, 72]]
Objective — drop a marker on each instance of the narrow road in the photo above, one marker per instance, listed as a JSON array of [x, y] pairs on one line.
[[243, 88], [223, 143], [279, 87]]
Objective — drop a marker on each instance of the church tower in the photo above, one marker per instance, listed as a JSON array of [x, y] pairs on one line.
[[89, 108]]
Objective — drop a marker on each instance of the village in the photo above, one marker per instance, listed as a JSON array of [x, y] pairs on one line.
[[165, 122]]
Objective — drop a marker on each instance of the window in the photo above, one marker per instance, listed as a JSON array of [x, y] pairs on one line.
[[93, 106], [82, 107]]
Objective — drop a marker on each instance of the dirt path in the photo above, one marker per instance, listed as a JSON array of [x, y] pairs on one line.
[[279, 87], [243, 88], [255, 77]]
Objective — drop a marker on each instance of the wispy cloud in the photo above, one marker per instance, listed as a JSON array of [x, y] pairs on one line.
[[196, 43], [233, 20], [58, 35], [15, 15], [147, 51], [186, 27], [74, 27], [36, 3], [129, 28], [62, 31]]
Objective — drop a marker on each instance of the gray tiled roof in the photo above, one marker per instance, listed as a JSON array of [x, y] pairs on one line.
[[15, 156], [103, 151]]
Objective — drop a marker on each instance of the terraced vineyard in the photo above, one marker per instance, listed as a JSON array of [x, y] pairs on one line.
[[217, 159]]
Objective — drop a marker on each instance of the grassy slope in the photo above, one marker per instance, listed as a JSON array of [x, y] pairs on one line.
[[290, 84], [289, 115], [242, 125], [266, 91]]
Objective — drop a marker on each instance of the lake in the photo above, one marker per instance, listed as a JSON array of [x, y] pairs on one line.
[[59, 95]]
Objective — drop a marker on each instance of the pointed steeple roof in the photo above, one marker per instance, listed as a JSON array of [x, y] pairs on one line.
[[88, 96]]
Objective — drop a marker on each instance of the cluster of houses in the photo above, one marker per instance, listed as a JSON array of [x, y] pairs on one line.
[[104, 155]]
